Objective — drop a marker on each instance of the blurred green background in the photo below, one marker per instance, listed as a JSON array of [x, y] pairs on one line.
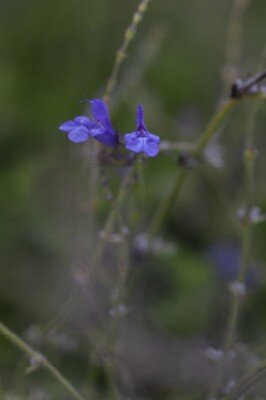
[[54, 54]]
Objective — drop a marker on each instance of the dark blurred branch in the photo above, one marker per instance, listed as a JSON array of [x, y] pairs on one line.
[[248, 382], [249, 87]]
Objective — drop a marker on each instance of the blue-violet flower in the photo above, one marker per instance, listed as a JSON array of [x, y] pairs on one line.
[[142, 141], [100, 128]]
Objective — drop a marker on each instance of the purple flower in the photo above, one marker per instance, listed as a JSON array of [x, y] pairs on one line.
[[100, 128], [142, 141]]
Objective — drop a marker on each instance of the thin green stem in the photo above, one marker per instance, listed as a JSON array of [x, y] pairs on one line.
[[249, 156], [113, 214], [236, 298], [117, 204], [215, 123], [167, 203], [168, 146], [39, 359], [115, 317], [233, 43], [94, 175], [170, 198], [122, 51], [109, 371], [233, 315], [121, 55]]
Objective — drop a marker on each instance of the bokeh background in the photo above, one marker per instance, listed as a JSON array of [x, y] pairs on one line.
[[54, 54]]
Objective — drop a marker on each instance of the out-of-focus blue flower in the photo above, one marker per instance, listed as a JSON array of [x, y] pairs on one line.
[[226, 258], [100, 128], [142, 141]]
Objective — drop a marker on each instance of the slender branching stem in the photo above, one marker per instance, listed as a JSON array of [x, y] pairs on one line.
[[233, 43], [233, 315], [121, 55], [248, 158], [248, 382], [129, 35], [215, 123], [116, 313], [39, 359], [107, 230], [168, 201], [112, 218], [122, 51], [114, 213], [167, 146]]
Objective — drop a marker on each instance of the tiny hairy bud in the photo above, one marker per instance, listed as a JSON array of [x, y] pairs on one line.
[[229, 386], [185, 160], [120, 56], [136, 18], [250, 153], [253, 216], [36, 362], [143, 7], [214, 354], [111, 238], [125, 231], [120, 310], [238, 289], [129, 34]]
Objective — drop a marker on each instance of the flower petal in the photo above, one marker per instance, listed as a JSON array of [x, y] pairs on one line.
[[79, 134], [82, 120], [107, 138], [140, 117], [100, 113], [134, 143], [153, 137], [67, 126], [150, 147]]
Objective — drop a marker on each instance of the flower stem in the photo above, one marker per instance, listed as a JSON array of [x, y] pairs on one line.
[[167, 203], [170, 198], [113, 214], [39, 359], [117, 204], [249, 158], [94, 174], [233, 43], [215, 123], [122, 51], [217, 120]]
